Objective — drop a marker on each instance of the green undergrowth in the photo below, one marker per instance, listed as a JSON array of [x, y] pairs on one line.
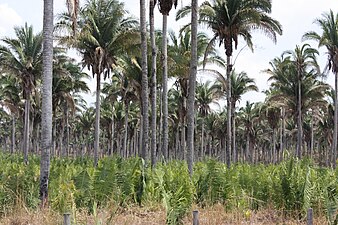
[[291, 186]]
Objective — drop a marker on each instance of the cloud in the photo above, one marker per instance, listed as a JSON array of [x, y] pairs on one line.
[[8, 18]]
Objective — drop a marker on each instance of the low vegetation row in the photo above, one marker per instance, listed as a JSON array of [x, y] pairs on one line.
[[291, 187]]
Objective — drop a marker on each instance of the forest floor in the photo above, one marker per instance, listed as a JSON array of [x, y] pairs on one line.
[[214, 215]]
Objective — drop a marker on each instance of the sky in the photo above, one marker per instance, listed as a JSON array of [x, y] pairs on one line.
[[296, 17]]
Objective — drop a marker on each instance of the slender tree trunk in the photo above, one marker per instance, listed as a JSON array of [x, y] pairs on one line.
[[13, 135], [312, 138], [234, 150], [97, 120], [229, 135], [145, 90], [112, 133], [202, 141], [153, 82], [26, 130], [183, 135], [282, 134], [125, 137], [165, 139], [67, 129], [192, 87], [160, 126], [247, 150], [47, 114], [335, 131], [274, 151], [299, 120]]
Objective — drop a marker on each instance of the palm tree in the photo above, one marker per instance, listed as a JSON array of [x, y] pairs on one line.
[[285, 88], [303, 59], [179, 53], [145, 90], [230, 19], [206, 94], [153, 85], [241, 83], [165, 6], [10, 99], [104, 33], [329, 38], [46, 117], [22, 56]]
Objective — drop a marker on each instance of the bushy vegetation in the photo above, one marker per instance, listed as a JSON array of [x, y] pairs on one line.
[[292, 186]]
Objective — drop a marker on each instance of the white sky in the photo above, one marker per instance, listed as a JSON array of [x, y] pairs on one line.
[[296, 17]]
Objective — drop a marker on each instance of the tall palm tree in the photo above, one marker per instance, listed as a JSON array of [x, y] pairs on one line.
[[22, 56], [153, 85], [179, 52], [46, 117], [145, 90], [206, 94], [303, 59], [230, 19], [104, 32], [165, 6], [329, 38], [241, 83], [10, 99], [285, 88]]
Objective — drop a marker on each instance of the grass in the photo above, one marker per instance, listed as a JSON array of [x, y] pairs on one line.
[[135, 215]]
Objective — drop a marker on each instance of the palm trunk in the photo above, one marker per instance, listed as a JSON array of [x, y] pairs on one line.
[[312, 138], [183, 141], [13, 135], [125, 137], [26, 129], [192, 87], [153, 83], [247, 150], [145, 91], [47, 114], [282, 134], [274, 152], [165, 134], [97, 120], [229, 135], [335, 131], [234, 153], [299, 120], [112, 134], [66, 113], [202, 141]]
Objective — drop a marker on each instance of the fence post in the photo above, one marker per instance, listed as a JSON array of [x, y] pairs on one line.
[[195, 217], [310, 216], [66, 218]]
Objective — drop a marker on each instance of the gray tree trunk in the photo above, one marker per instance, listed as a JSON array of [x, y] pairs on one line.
[[229, 135], [97, 120], [112, 133], [165, 139], [234, 150], [125, 137], [47, 114], [335, 131], [192, 87], [153, 83], [299, 120], [145, 90], [26, 129], [13, 135]]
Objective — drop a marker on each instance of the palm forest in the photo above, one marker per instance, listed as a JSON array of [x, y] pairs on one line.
[[158, 142]]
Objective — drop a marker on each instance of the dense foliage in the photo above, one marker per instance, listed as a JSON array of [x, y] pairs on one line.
[[292, 186]]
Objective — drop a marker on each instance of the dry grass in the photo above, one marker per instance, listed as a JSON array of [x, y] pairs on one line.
[[214, 215]]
